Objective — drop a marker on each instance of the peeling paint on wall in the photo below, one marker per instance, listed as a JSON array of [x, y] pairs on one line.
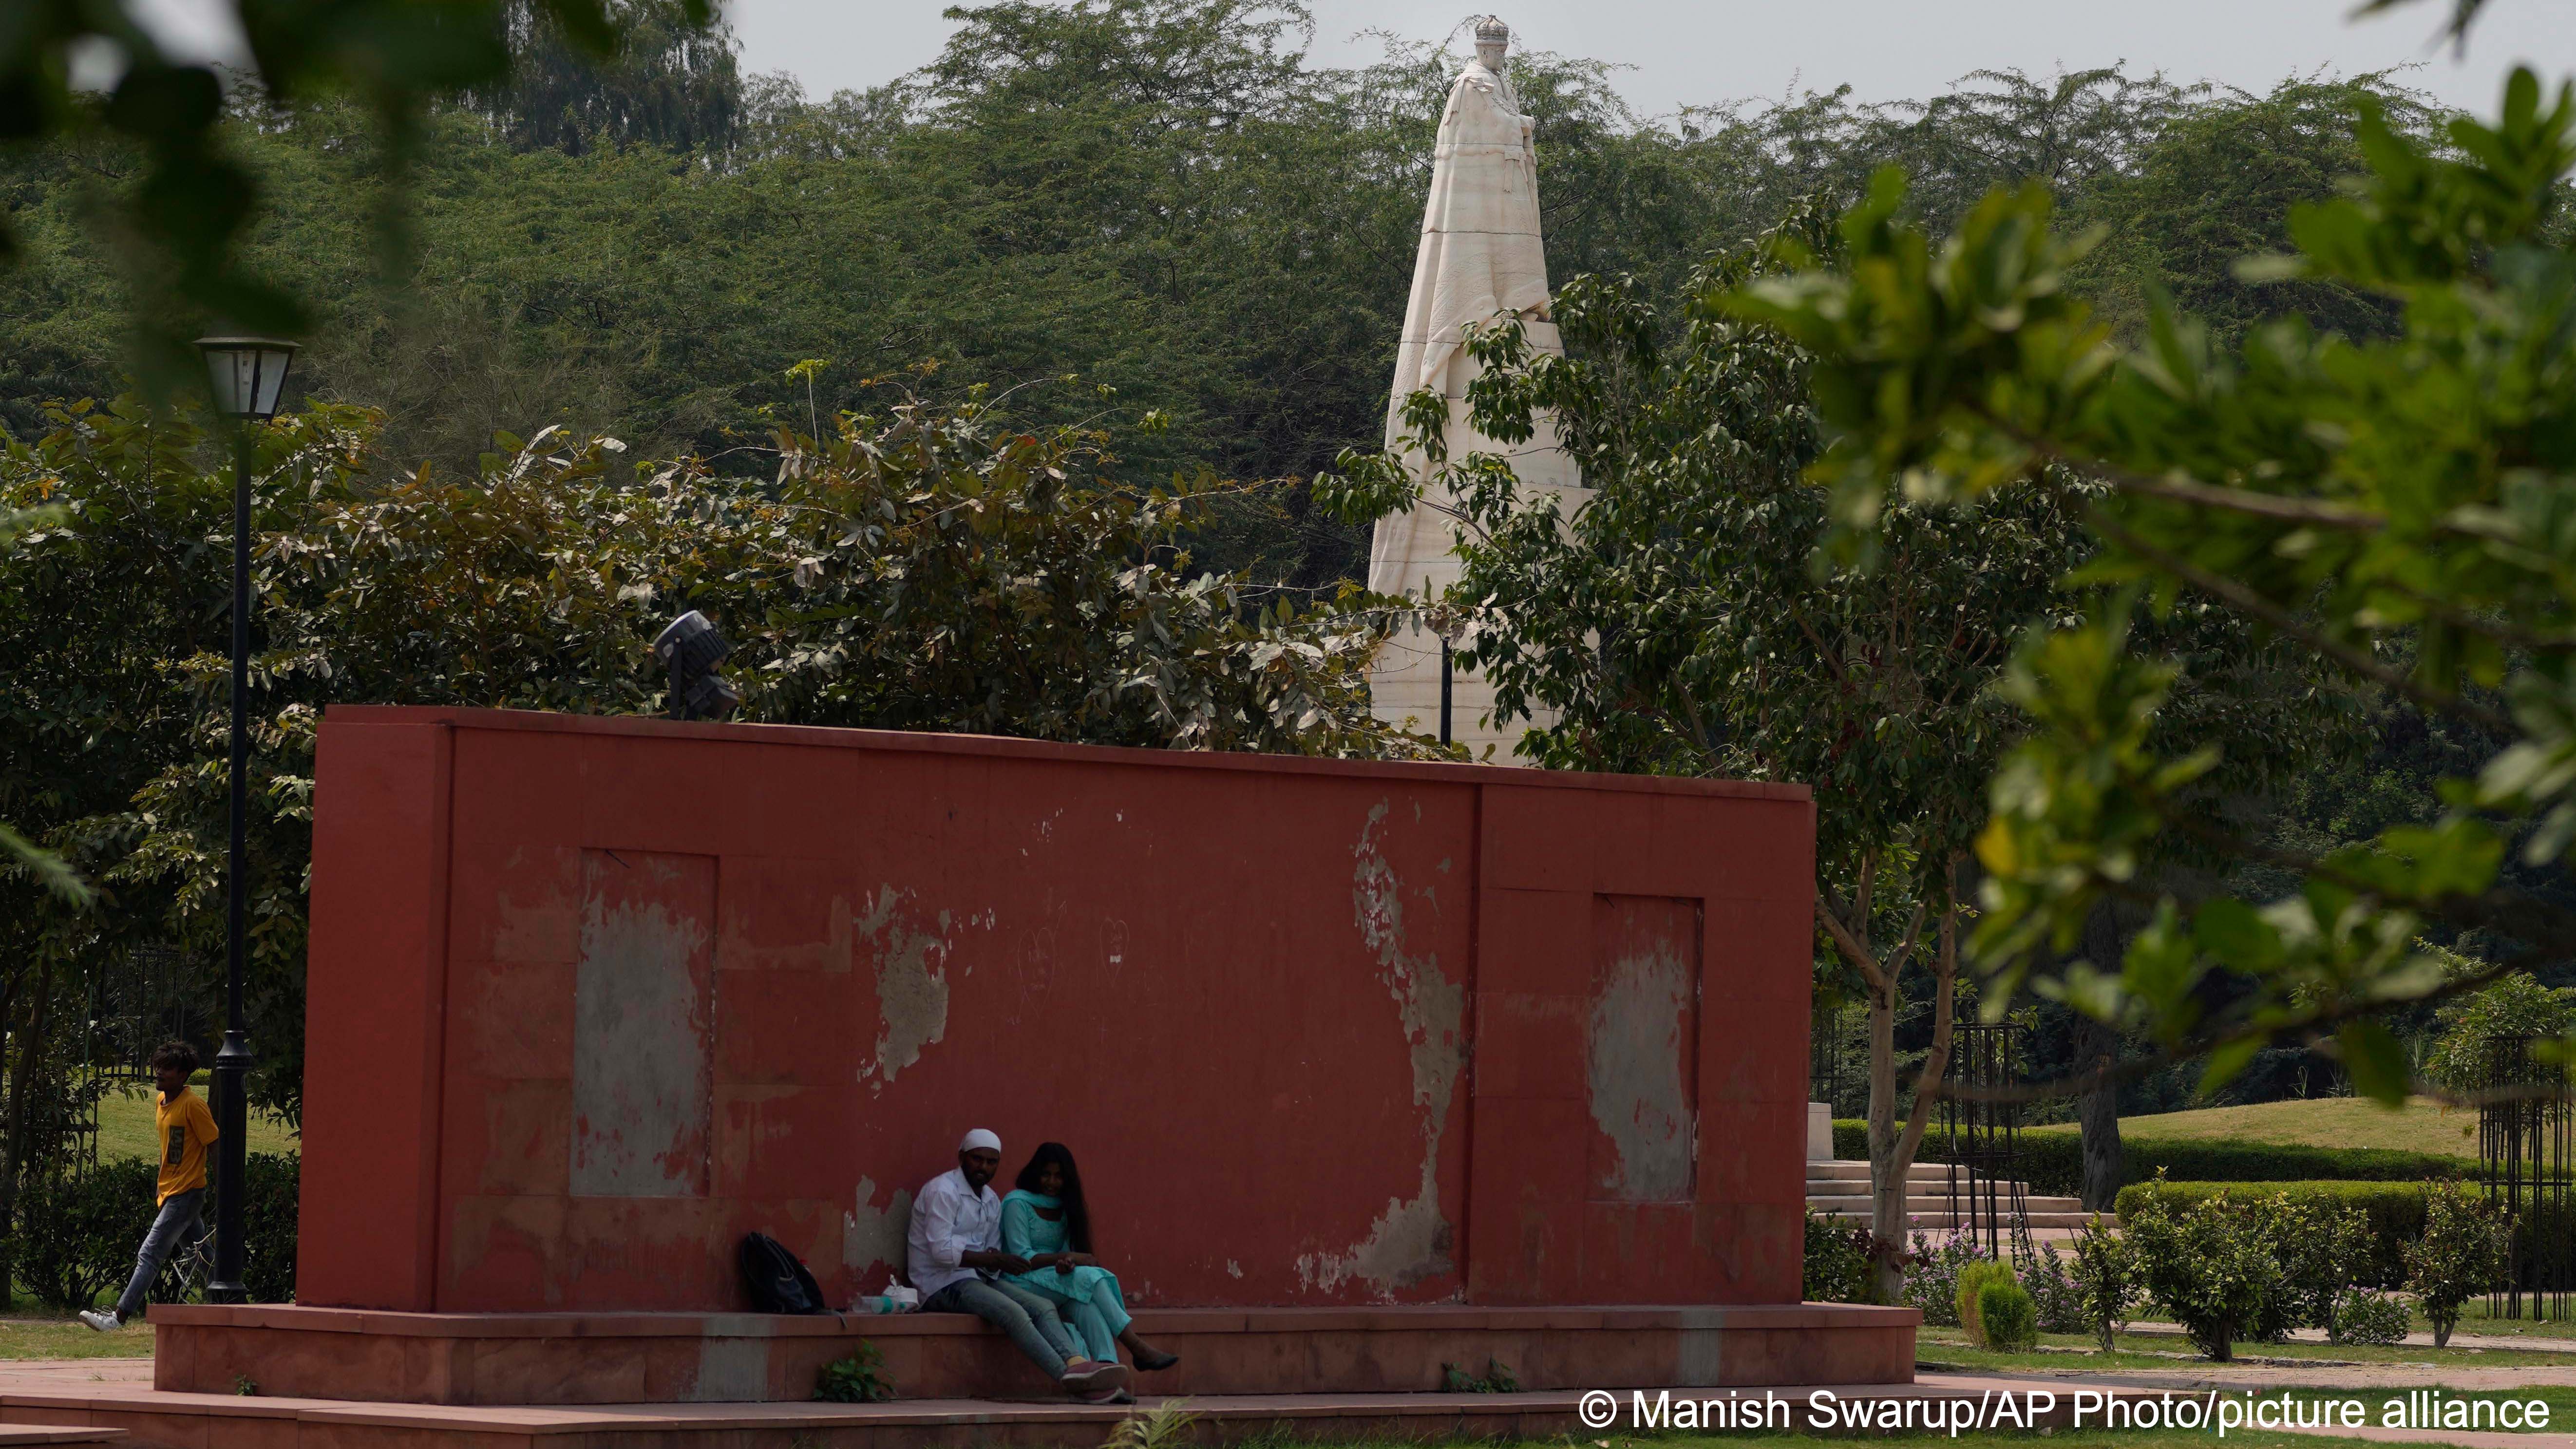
[[1638, 1095], [1411, 1240], [912, 986], [871, 1235], [642, 1097]]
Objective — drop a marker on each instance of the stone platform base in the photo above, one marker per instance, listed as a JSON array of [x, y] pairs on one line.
[[93, 1395], [676, 1358]]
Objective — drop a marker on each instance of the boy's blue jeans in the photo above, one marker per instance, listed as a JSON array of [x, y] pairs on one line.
[[170, 1228]]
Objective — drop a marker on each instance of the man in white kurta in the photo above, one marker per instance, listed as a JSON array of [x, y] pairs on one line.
[[954, 1244], [1481, 257]]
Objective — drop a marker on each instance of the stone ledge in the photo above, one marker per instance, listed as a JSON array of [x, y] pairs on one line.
[[628, 1358]]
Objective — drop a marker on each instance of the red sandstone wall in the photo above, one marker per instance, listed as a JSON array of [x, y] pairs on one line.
[[591, 998]]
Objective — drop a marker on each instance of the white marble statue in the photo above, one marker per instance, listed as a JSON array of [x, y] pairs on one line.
[[1481, 256]]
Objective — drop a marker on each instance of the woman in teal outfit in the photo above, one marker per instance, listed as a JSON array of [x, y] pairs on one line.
[[1045, 1220]]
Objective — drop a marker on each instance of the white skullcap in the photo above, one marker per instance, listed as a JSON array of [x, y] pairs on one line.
[[980, 1138]]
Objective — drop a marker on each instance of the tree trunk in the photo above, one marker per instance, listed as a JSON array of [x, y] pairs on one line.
[[2097, 1052], [1891, 1152], [1887, 1171], [13, 1165]]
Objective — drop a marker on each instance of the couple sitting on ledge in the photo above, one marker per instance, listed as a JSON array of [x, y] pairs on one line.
[[1023, 1264]]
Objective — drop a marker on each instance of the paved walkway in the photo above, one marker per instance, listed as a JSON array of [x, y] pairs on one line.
[[49, 1373]]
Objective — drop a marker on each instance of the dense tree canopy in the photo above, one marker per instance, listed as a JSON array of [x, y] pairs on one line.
[[1162, 196], [2393, 505]]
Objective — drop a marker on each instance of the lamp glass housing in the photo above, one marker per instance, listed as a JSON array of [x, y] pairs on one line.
[[248, 373]]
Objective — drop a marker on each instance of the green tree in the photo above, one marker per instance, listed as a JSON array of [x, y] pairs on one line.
[[2466, 1030], [671, 82], [2348, 493], [43, 864], [2460, 1254], [2211, 1266], [2215, 183], [193, 203]]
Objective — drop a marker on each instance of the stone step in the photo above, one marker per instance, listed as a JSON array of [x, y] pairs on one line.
[[267, 1422], [1861, 1193], [1919, 1201], [1859, 1171], [520, 1359], [1942, 1220]]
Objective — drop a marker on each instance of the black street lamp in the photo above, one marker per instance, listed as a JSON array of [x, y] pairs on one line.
[[249, 375]]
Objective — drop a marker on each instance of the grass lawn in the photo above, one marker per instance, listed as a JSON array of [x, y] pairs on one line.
[[2419, 1126], [125, 1125], [35, 1332], [2474, 1319], [1949, 1348]]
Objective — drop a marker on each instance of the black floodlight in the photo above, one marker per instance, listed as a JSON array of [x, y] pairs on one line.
[[690, 649]]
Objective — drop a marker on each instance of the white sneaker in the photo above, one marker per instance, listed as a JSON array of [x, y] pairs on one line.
[[106, 1322]]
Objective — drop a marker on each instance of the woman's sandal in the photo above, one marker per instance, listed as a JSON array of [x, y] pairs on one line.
[[1157, 1362]]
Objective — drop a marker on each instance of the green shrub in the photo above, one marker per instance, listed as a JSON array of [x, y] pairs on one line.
[[2055, 1291], [2459, 1254], [2207, 1262], [77, 1238], [2324, 1243], [1970, 1294], [2053, 1162], [2106, 1271], [1837, 1261], [2392, 1211], [2367, 1317], [857, 1379], [2007, 1316], [1932, 1275], [1497, 1378], [271, 1188]]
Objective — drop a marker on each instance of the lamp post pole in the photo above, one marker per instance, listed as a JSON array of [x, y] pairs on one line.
[[1444, 689], [233, 1062], [249, 378]]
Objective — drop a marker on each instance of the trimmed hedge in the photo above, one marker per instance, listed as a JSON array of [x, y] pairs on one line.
[[2395, 1211], [76, 1240], [2053, 1162]]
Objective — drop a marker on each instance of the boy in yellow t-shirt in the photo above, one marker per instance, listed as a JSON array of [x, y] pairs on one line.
[[186, 1130]]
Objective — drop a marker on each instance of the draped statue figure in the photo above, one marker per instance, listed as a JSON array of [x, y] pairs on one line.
[[1481, 257]]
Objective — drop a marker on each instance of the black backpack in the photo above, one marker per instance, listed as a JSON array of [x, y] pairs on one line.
[[776, 1280]]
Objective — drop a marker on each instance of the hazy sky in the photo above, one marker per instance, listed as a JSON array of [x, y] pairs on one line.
[[1696, 52], [1699, 52]]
